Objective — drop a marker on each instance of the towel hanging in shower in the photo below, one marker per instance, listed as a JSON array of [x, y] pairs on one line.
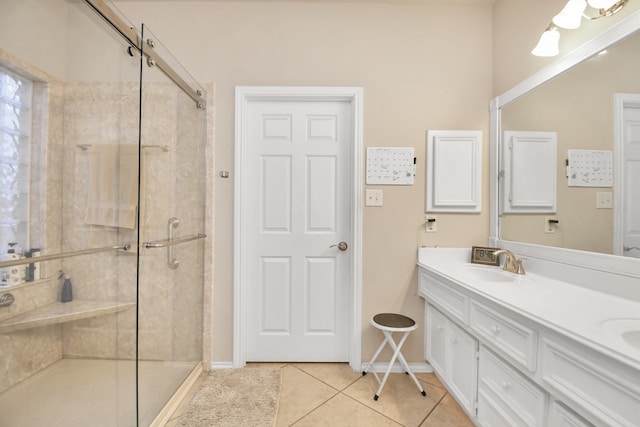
[[113, 185]]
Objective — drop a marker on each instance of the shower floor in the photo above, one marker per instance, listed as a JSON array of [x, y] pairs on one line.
[[89, 392]]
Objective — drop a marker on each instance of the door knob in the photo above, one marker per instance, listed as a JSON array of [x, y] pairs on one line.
[[342, 246]]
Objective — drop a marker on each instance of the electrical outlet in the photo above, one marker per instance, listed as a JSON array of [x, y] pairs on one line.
[[604, 200], [550, 224], [373, 198], [430, 225]]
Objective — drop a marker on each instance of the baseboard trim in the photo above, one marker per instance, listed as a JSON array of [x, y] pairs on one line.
[[397, 367], [423, 367], [221, 365]]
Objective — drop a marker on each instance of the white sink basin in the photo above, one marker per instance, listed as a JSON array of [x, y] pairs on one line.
[[628, 330], [492, 274]]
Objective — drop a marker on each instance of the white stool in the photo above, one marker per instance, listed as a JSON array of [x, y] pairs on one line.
[[389, 323]]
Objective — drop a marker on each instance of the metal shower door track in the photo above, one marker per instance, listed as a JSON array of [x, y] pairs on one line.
[[132, 36]]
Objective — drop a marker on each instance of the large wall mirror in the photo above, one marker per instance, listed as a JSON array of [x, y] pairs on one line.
[[589, 101]]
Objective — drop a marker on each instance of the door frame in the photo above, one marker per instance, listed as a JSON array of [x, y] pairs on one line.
[[244, 95], [621, 101]]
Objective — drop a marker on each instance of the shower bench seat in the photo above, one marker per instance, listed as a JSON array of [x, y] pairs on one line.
[[59, 312]]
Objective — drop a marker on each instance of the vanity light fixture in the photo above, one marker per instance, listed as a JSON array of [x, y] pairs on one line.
[[571, 15], [548, 43], [570, 18], [602, 4]]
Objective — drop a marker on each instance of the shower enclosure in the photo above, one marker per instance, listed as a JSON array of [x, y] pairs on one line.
[[103, 144]]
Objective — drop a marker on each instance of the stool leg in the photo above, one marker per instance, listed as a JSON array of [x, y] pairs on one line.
[[375, 356], [397, 348], [411, 374], [408, 370]]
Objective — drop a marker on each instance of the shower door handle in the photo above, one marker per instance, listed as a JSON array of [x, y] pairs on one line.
[[172, 262], [166, 243]]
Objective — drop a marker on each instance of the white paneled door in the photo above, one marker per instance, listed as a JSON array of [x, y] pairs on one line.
[[631, 182], [297, 213]]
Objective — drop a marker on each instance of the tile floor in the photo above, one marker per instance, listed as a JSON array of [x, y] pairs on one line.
[[332, 394]]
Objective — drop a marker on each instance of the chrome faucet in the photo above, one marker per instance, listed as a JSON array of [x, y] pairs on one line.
[[511, 264]]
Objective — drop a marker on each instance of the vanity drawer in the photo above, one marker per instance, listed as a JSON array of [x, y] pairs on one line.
[[452, 302], [561, 416], [604, 390], [511, 390], [517, 341], [491, 414]]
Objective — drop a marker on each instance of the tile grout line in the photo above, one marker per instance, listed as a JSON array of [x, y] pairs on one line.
[[434, 407], [325, 383], [341, 392], [370, 408], [321, 404]]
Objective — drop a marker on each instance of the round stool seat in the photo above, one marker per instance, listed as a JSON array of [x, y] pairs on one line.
[[393, 322]]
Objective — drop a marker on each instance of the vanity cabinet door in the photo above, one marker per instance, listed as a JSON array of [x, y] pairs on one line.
[[463, 367], [452, 353], [436, 339]]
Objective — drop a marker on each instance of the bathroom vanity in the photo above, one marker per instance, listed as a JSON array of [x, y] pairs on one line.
[[529, 350]]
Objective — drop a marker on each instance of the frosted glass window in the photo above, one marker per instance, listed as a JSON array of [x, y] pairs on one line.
[[15, 142]]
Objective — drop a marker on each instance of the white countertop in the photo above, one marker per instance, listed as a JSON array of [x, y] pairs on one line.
[[565, 308]]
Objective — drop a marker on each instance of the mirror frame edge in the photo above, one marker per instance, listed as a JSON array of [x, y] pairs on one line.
[[596, 261]]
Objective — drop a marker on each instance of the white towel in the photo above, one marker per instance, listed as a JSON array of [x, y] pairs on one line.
[[113, 185]]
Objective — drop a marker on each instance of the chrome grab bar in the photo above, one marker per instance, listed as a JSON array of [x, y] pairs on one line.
[[172, 262], [165, 148], [166, 243], [22, 261]]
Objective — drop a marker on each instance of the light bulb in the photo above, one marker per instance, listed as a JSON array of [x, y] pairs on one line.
[[548, 44], [571, 15]]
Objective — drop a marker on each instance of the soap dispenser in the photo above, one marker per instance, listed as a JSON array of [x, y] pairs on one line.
[[66, 294]]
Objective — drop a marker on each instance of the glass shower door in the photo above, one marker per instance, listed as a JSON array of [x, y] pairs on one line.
[[69, 358], [172, 223]]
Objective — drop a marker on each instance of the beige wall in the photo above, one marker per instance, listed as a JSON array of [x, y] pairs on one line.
[[421, 66], [430, 65]]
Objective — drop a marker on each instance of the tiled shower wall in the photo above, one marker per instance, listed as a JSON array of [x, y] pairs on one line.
[[172, 185], [171, 301]]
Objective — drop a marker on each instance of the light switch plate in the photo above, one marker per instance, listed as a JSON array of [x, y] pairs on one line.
[[373, 198], [604, 200]]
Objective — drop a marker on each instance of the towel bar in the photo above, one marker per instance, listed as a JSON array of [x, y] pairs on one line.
[[165, 148], [166, 243], [22, 261], [172, 262]]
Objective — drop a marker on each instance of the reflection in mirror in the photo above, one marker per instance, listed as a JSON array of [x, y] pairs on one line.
[[579, 106]]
